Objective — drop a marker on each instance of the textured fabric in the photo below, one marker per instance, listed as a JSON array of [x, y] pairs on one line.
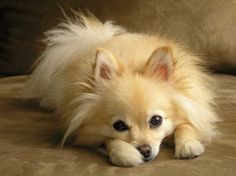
[[208, 27], [29, 142]]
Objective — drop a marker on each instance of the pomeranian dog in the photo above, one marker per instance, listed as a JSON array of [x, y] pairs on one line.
[[125, 91]]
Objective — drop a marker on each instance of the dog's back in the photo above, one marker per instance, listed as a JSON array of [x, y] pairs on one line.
[[69, 39]]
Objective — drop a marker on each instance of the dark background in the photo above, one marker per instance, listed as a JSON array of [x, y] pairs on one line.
[[207, 27]]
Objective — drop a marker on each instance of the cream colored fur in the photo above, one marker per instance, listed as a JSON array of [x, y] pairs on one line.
[[89, 98]]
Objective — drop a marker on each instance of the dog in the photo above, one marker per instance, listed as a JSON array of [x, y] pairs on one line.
[[126, 91]]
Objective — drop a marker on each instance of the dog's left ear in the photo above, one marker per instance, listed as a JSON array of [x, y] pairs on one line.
[[160, 63]]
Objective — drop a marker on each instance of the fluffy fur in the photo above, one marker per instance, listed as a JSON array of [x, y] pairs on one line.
[[94, 74]]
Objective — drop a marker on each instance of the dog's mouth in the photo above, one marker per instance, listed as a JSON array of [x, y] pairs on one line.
[[148, 159]]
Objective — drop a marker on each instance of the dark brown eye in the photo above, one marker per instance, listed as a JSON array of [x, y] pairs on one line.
[[155, 121], [120, 126]]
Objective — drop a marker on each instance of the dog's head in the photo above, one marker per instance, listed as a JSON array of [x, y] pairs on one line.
[[134, 107]]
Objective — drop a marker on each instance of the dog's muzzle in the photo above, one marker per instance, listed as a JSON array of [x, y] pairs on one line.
[[146, 151]]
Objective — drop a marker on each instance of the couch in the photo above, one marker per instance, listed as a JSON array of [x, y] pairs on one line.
[[29, 135]]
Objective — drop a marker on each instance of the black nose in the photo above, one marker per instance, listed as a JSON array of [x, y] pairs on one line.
[[145, 150]]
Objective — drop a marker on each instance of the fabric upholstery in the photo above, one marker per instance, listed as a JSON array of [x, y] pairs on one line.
[[29, 140], [207, 27]]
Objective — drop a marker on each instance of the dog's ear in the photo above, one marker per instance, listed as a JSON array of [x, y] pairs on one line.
[[106, 65], [160, 63]]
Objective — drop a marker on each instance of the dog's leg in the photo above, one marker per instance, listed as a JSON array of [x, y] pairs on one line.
[[122, 153], [187, 145]]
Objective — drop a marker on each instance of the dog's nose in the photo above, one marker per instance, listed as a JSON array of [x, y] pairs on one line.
[[145, 150]]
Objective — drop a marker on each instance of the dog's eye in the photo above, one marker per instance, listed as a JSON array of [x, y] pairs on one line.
[[155, 121], [120, 126]]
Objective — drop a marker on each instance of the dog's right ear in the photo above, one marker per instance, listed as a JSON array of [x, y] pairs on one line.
[[106, 65], [160, 63]]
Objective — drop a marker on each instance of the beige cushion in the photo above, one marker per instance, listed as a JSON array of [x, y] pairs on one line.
[[29, 139]]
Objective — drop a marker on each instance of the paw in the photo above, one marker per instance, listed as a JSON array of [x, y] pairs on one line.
[[128, 159], [188, 149], [124, 154]]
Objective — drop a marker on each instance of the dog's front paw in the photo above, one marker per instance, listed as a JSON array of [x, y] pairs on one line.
[[123, 154], [188, 149]]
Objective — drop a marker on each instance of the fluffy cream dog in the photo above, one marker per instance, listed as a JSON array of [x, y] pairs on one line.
[[125, 90]]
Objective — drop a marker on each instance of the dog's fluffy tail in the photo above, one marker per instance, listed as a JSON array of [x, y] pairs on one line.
[[69, 39]]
